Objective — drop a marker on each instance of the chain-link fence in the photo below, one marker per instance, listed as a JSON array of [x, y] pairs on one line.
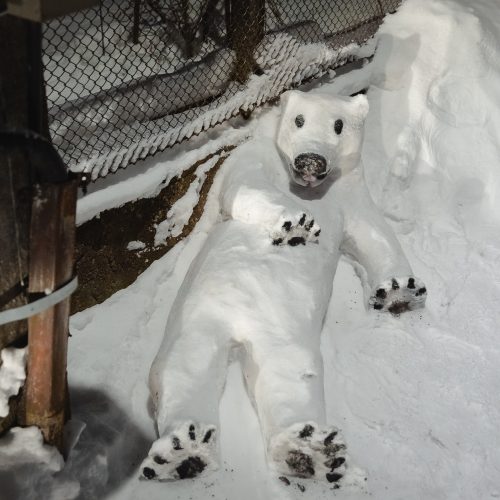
[[129, 78]]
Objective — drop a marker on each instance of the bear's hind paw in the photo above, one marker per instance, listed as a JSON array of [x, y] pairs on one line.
[[398, 295], [296, 230], [310, 451], [188, 451]]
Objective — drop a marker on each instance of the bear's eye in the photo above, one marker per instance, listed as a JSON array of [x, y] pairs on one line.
[[299, 121], [339, 125]]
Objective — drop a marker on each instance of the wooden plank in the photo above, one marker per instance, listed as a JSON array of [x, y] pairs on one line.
[[51, 265]]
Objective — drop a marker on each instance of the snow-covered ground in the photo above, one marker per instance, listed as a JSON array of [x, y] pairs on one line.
[[417, 395]]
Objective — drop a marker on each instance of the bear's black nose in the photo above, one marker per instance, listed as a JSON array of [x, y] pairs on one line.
[[310, 162], [148, 473]]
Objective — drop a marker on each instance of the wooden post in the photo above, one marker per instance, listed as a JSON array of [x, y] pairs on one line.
[[52, 243], [48, 241]]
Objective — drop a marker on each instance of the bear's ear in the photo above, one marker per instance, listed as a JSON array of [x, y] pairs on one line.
[[285, 97], [359, 106], [289, 97]]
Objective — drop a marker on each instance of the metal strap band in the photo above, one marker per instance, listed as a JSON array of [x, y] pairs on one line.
[[39, 305]]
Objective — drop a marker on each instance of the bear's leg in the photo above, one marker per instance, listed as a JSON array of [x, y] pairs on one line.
[[186, 382], [286, 382]]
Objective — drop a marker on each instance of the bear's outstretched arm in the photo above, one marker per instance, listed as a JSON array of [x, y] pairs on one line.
[[371, 243], [249, 196]]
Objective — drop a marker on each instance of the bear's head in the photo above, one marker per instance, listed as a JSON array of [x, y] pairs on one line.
[[320, 135]]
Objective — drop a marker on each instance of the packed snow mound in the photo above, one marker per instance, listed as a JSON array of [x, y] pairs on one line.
[[12, 375], [27, 468]]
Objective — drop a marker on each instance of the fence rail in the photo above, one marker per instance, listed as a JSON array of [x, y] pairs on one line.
[[130, 78]]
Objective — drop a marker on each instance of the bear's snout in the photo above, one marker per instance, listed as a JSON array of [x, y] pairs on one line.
[[310, 163]]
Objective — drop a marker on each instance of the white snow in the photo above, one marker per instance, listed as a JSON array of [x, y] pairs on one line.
[[28, 468], [416, 396], [180, 212], [12, 375], [136, 245]]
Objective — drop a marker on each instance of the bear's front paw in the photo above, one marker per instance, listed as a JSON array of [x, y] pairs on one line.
[[295, 230], [398, 295], [187, 451]]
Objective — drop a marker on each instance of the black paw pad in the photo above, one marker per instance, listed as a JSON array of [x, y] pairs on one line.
[[300, 463], [287, 226], [329, 439], [148, 473], [192, 435], [296, 240], [421, 291], [302, 220], [411, 283], [335, 463], [309, 225], [399, 307], [176, 444], [333, 477], [278, 241], [190, 467], [378, 306], [317, 233], [381, 293], [395, 284], [159, 460], [306, 431], [208, 435]]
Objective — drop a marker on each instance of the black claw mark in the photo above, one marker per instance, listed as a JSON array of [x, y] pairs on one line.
[[296, 240], [395, 284], [176, 443], [411, 283], [329, 439], [421, 291], [309, 225], [301, 487], [287, 225], [300, 463], [190, 467], [381, 293], [378, 306], [285, 480], [398, 307], [335, 463], [278, 241], [159, 460], [302, 220], [192, 435], [317, 233], [306, 431], [208, 435], [148, 473], [333, 477]]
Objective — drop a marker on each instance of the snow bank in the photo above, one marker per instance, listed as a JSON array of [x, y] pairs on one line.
[[12, 375], [27, 468]]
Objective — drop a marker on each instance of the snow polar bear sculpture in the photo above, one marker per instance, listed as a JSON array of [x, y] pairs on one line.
[[263, 282]]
